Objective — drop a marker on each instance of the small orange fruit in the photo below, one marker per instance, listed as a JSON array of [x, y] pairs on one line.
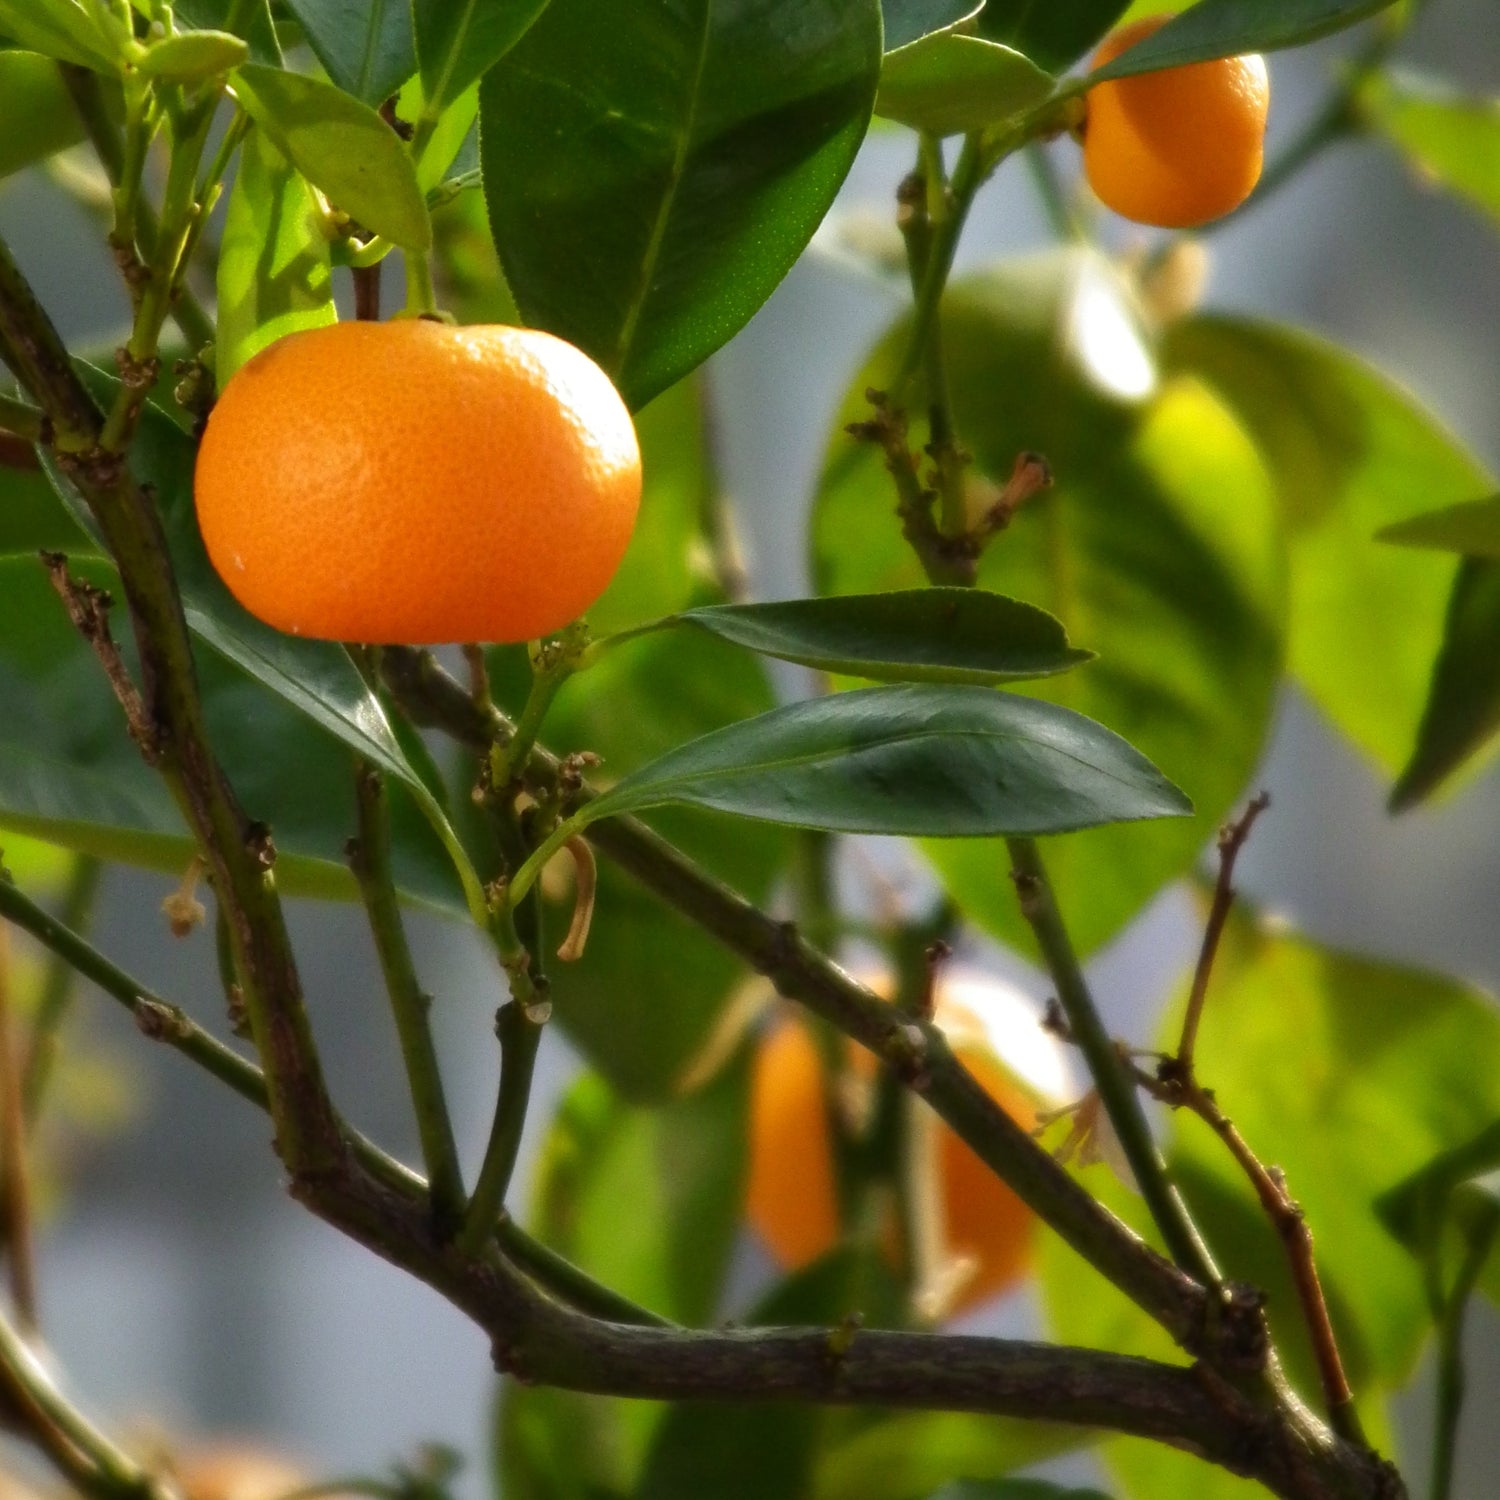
[[1176, 147], [985, 1230], [418, 483]]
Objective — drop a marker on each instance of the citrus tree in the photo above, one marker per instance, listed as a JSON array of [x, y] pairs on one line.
[[354, 611]]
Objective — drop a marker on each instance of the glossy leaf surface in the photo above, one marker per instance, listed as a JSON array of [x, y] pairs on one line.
[[1053, 36], [1157, 547], [942, 762], [1225, 28], [274, 273], [951, 84], [342, 147], [366, 45], [1350, 453], [912, 635], [652, 172], [907, 20]]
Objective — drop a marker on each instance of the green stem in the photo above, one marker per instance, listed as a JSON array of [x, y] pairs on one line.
[[22, 419], [370, 857], [1450, 1372], [57, 987], [421, 295], [561, 1277], [1116, 1088]]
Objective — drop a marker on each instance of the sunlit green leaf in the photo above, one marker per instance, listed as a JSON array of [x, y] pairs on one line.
[[951, 84], [459, 41], [1350, 453], [1012, 1489], [1053, 36], [193, 56], [36, 112], [68, 30], [1472, 528], [342, 147], [935, 761], [274, 273], [250, 19], [366, 45], [1157, 548], [1463, 705], [715, 137], [912, 635], [1452, 140], [1226, 28]]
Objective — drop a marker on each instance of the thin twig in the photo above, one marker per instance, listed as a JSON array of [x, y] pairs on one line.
[[1232, 839]]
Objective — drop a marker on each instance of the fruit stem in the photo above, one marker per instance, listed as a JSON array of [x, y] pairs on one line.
[[1115, 1085], [370, 859], [421, 296]]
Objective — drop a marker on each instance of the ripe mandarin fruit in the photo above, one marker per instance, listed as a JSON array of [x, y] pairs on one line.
[[418, 483], [985, 1230], [1180, 146]]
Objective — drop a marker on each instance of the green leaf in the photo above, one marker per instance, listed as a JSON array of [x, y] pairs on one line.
[[32, 519], [1415, 1210], [716, 139], [342, 147], [1452, 140], [935, 761], [366, 45], [907, 21], [1463, 705], [951, 84], [1053, 36], [1350, 453], [193, 56], [36, 112], [1226, 28], [913, 635], [1012, 1489], [1157, 546], [459, 41], [250, 19], [1472, 528], [70, 774], [680, 1170], [67, 30], [649, 1026], [912, 1453], [274, 272]]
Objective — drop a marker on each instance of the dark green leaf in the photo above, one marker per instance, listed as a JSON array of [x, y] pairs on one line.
[[366, 45], [1157, 546], [36, 112], [1472, 528], [912, 635], [906, 21], [274, 274], [1012, 1489], [70, 774], [1350, 452], [1463, 706], [951, 84], [1451, 140], [1053, 36], [32, 518], [1226, 28], [193, 56], [342, 147], [940, 762], [459, 41], [67, 30], [716, 138], [250, 19], [649, 1026]]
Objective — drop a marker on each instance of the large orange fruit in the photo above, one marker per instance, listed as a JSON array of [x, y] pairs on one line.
[[985, 1231], [419, 483], [1176, 147]]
